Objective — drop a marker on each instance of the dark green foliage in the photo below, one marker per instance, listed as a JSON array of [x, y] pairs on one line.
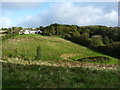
[[11, 32], [106, 40], [38, 55], [84, 39], [40, 28], [96, 41], [112, 49], [74, 36], [99, 59], [74, 27]]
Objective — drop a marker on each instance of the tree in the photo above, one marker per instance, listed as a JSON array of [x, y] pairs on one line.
[[86, 31], [51, 31], [96, 41], [84, 39], [74, 27], [75, 36], [20, 28], [106, 40], [113, 49], [84, 36]]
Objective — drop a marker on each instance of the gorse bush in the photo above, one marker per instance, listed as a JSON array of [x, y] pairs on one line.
[[99, 59], [38, 55]]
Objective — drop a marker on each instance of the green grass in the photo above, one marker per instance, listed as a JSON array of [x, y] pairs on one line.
[[111, 61], [40, 76], [29, 35], [24, 46]]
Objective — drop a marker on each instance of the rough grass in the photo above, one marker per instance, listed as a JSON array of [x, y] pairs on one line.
[[42, 76]]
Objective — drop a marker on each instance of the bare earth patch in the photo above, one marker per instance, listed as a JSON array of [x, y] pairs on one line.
[[68, 56], [40, 38], [55, 39]]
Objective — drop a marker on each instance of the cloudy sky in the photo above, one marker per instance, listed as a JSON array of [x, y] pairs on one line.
[[35, 14]]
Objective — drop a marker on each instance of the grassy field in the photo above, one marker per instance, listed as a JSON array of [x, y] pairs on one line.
[[57, 67]]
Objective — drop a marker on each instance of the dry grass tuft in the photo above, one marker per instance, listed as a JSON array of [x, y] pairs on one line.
[[69, 55]]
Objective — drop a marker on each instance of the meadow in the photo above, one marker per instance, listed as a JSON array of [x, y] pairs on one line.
[[42, 76]]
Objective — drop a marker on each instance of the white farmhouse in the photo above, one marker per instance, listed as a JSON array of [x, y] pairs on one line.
[[21, 32], [27, 32], [30, 32]]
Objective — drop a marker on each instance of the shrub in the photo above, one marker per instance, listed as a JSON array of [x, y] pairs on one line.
[[38, 55], [113, 49], [10, 55], [96, 41], [94, 59]]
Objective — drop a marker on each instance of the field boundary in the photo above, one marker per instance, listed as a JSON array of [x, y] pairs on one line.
[[64, 63]]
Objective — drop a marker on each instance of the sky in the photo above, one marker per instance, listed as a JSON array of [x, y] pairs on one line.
[[35, 14]]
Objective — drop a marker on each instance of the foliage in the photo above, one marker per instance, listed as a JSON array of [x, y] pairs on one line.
[[113, 49], [84, 39], [96, 41], [38, 55], [106, 40]]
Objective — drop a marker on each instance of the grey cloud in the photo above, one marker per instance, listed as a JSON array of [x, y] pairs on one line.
[[19, 5], [68, 13]]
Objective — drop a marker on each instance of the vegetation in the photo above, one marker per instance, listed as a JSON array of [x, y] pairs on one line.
[[38, 55], [40, 76], [99, 59]]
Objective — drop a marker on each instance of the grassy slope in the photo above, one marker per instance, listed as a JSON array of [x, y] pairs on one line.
[[42, 76], [24, 46]]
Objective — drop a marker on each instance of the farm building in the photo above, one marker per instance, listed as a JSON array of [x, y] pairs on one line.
[[30, 32]]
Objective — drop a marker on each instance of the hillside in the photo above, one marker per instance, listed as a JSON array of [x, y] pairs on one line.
[[57, 66], [52, 48]]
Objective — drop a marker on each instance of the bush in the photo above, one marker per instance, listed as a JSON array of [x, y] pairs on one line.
[[10, 55], [112, 49], [38, 55], [96, 41], [94, 59]]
